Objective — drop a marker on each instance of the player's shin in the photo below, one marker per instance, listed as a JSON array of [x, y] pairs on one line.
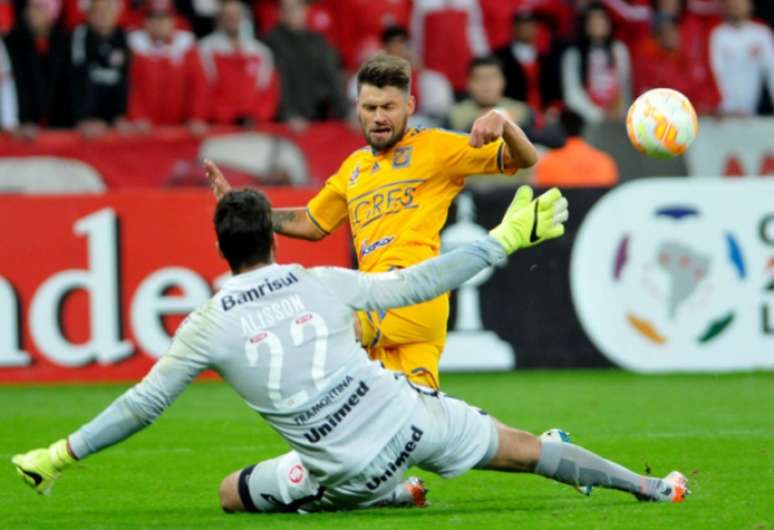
[[576, 466]]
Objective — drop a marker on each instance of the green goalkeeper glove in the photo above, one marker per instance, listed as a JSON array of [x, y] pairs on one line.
[[528, 222], [41, 467]]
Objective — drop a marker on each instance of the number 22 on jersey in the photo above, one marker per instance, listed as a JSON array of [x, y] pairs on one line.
[[269, 342]]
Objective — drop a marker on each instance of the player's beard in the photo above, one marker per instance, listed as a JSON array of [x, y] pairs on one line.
[[389, 143]]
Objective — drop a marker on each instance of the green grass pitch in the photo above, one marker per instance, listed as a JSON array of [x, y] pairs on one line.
[[719, 430]]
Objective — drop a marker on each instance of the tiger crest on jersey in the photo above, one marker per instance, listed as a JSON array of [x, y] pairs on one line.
[[402, 157]]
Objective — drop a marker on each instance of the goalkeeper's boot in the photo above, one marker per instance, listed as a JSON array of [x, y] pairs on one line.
[[673, 488], [412, 493], [559, 434], [41, 467]]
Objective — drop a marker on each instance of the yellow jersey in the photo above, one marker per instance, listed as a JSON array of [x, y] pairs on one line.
[[397, 201]]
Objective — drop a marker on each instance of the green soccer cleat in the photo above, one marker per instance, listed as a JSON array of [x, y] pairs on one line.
[[41, 467]]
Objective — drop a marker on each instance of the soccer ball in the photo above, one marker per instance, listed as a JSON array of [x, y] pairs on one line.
[[662, 123]]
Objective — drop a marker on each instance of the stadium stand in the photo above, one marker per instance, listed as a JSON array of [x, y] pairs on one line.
[[135, 65]]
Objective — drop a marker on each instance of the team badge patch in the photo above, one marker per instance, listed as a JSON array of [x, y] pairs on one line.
[[354, 175], [296, 474], [402, 157]]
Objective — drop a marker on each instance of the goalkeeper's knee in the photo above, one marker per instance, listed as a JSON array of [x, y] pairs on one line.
[[281, 484]]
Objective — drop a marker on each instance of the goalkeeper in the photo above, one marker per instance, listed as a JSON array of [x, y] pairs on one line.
[[354, 427]]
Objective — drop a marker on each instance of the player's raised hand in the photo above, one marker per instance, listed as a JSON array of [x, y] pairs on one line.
[[41, 467], [488, 127], [218, 182], [528, 221]]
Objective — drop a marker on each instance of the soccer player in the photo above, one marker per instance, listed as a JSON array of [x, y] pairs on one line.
[[282, 336], [396, 193]]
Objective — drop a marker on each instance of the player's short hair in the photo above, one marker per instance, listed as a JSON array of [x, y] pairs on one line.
[[487, 60], [244, 229], [383, 70]]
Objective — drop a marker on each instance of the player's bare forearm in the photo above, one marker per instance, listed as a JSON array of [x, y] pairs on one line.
[[294, 222], [520, 152], [496, 124], [291, 222]]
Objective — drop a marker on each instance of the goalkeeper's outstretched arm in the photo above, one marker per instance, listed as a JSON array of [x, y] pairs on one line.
[[526, 223], [137, 408]]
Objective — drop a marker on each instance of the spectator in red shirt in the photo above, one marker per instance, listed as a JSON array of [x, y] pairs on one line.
[[695, 26], [497, 15], [662, 62], [447, 35], [166, 81], [361, 23], [558, 17], [632, 19], [7, 15], [240, 71]]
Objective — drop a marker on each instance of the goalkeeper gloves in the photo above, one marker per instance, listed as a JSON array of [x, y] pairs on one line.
[[528, 221], [41, 467]]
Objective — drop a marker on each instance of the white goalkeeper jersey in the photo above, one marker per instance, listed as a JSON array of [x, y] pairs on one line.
[[282, 336]]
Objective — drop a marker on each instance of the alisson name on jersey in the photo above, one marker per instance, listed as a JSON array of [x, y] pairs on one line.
[[269, 314], [260, 290]]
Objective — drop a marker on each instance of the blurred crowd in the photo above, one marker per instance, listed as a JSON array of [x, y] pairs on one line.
[[134, 65]]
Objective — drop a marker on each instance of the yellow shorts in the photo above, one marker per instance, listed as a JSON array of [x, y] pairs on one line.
[[408, 339]]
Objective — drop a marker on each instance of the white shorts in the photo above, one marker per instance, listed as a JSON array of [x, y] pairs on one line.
[[446, 436]]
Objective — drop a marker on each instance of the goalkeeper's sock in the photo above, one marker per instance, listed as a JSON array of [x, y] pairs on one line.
[[576, 466]]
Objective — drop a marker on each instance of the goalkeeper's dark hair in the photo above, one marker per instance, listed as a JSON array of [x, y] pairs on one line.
[[383, 70], [243, 225]]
